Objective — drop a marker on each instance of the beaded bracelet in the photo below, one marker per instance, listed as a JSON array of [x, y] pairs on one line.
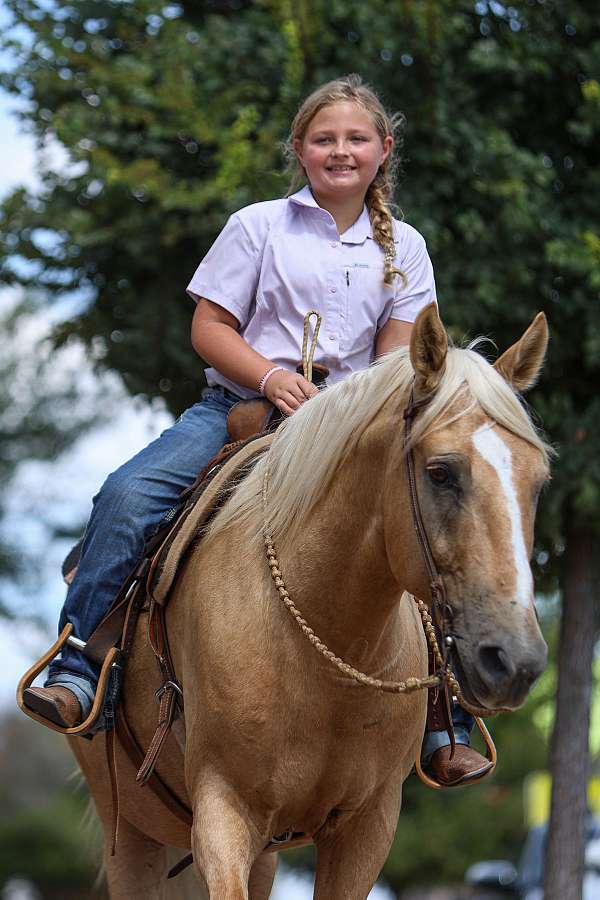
[[266, 376]]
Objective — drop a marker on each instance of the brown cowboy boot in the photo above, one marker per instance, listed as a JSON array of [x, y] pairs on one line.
[[56, 703], [466, 765]]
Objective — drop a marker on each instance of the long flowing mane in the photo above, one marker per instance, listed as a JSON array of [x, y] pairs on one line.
[[312, 443]]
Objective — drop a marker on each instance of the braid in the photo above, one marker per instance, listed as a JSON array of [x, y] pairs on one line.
[[381, 222]]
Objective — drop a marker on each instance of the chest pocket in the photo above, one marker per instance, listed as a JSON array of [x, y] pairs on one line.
[[367, 298]]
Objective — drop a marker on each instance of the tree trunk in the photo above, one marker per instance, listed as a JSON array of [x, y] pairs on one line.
[[563, 875]]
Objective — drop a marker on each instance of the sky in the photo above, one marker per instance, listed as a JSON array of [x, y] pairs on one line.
[[97, 454]]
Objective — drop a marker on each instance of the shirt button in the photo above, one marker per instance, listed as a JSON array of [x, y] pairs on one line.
[[332, 290], [332, 337], [334, 243]]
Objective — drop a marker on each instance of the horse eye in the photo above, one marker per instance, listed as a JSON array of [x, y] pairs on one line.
[[439, 474]]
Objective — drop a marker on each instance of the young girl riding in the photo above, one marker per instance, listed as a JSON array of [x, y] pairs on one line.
[[333, 245]]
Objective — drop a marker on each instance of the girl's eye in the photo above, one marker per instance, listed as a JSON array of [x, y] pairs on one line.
[[325, 140]]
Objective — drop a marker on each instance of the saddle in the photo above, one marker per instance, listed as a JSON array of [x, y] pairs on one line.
[[251, 425], [153, 577]]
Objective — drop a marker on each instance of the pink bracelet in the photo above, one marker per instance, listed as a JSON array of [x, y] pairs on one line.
[[266, 376]]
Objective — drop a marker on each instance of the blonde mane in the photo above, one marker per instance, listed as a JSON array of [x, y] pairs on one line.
[[310, 446]]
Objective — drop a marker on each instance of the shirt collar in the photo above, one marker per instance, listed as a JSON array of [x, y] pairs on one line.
[[356, 234]]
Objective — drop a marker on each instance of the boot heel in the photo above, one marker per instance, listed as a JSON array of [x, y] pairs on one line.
[[83, 729], [490, 752]]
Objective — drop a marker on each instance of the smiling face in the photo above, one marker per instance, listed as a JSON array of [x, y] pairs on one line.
[[341, 151]]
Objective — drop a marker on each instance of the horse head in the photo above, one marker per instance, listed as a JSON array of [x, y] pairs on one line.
[[479, 469]]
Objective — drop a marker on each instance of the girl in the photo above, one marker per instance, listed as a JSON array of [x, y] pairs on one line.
[[333, 244]]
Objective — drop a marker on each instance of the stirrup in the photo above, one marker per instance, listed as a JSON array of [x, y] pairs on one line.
[[490, 752], [111, 659]]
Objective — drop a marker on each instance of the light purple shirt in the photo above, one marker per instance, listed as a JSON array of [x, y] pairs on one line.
[[274, 261]]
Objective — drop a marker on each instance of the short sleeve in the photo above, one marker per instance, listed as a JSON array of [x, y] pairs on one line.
[[417, 289], [228, 275]]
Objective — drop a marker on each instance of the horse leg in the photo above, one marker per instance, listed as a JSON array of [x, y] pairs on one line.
[[350, 857], [262, 876], [226, 846], [137, 871]]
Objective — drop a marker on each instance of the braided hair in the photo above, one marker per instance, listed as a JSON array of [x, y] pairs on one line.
[[381, 190]]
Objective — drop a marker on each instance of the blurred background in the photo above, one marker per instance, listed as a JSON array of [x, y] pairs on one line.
[[129, 131]]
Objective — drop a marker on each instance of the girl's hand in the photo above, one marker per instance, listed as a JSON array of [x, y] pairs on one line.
[[288, 391]]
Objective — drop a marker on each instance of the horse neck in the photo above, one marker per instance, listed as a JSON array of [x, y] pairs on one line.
[[337, 571]]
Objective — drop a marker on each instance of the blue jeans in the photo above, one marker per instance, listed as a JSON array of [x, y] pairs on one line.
[[463, 726], [127, 510]]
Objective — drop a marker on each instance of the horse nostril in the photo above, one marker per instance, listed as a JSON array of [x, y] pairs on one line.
[[495, 662]]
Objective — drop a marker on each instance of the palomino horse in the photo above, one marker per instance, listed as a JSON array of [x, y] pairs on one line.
[[275, 739]]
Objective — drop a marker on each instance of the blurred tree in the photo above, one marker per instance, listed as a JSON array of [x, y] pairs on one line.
[[171, 123], [171, 115], [47, 401], [43, 812]]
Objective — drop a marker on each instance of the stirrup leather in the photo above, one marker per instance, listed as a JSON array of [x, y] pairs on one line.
[[112, 659], [490, 752]]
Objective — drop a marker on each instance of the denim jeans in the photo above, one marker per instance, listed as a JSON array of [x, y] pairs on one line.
[[126, 511], [463, 726]]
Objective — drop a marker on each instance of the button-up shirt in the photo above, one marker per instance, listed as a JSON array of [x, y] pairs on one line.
[[274, 261]]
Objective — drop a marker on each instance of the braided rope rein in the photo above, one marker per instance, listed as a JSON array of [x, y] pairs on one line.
[[392, 687], [410, 685], [307, 357]]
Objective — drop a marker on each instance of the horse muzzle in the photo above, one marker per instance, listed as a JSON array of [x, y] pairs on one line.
[[499, 672]]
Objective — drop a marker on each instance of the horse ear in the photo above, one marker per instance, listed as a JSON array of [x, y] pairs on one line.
[[520, 365], [428, 349]]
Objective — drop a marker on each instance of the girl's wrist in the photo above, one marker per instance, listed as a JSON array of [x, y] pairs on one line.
[[266, 376]]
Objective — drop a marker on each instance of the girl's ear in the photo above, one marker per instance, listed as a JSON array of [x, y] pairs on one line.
[[428, 350], [297, 145], [388, 143]]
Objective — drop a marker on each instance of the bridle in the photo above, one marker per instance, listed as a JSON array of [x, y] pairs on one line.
[[440, 608], [436, 623]]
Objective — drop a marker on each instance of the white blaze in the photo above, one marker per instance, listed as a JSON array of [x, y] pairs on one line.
[[495, 452]]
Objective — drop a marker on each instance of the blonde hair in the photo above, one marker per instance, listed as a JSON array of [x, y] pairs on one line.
[[312, 444], [381, 189]]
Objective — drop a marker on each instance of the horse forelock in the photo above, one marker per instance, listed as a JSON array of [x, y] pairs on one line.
[[310, 446]]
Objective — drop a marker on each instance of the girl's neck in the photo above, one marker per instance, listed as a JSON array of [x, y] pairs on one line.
[[345, 210]]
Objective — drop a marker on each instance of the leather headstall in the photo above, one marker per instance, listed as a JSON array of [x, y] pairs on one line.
[[441, 610]]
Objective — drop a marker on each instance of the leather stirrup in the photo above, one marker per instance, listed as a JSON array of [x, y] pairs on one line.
[[112, 658], [490, 752]]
